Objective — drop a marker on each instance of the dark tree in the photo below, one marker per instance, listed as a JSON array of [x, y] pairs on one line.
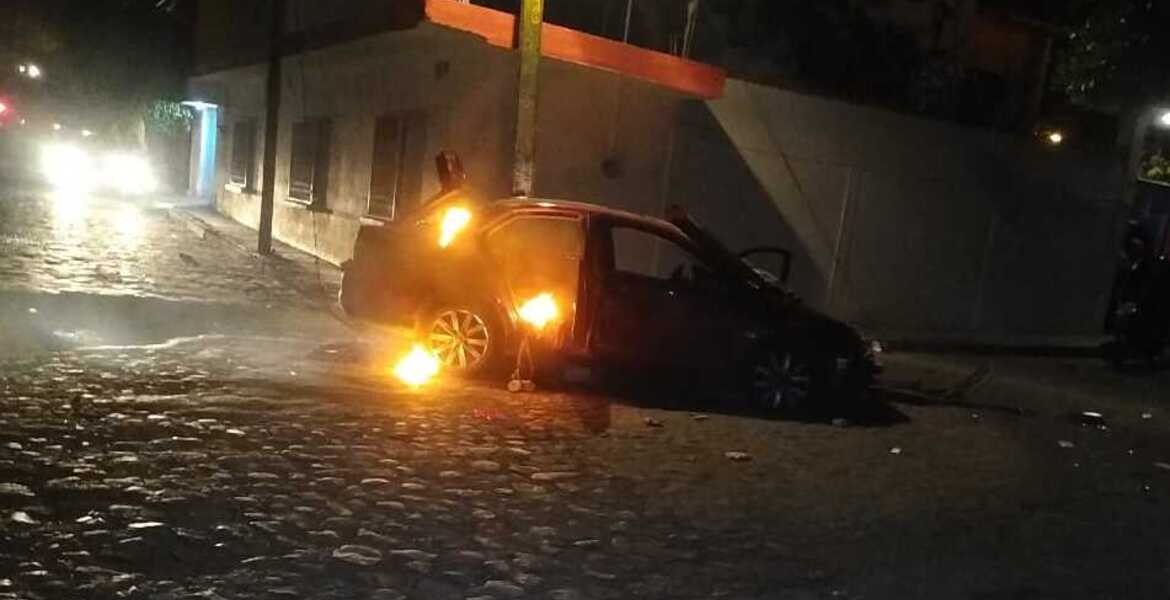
[[1117, 54]]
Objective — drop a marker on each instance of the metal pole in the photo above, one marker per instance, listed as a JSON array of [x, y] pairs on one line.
[[528, 92], [689, 31], [629, 13], [271, 124]]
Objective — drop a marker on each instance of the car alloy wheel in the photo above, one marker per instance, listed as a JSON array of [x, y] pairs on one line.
[[781, 381], [460, 339]]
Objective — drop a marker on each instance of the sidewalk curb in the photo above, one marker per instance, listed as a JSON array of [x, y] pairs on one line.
[[928, 346], [203, 229]]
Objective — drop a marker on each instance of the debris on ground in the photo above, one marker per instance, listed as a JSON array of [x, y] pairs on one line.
[[22, 517], [699, 417], [358, 555], [840, 422], [895, 450], [652, 422], [1065, 444], [1146, 416], [15, 489], [1163, 466], [1090, 418], [187, 258], [737, 456], [521, 385]]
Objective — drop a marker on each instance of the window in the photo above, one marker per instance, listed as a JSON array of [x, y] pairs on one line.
[[243, 166], [308, 176], [396, 168], [540, 254], [646, 254]]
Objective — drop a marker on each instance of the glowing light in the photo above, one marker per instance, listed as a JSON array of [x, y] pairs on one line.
[[56, 127], [1164, 119], [129, 224], [128, 174], [1055, 138], [68, 208], [22, 68], [417, 368], [539, 311], [3, 108], [454, 220], [33, 71], [67, 167], [86, 133]]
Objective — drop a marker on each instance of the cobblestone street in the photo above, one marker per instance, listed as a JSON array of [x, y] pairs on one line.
[[180, 419]]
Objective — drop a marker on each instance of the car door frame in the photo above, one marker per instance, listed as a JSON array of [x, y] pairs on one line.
[[573, 340], [595, 255]]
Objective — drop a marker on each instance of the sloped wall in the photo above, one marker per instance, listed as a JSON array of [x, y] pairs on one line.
[[905, 225]]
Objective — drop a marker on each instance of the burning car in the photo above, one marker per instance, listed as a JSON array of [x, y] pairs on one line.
[[617, 289]]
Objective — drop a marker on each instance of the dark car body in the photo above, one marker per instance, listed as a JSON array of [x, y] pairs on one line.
[[637, 293]]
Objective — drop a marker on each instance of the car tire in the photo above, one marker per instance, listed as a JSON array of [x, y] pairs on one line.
[[788, 381], [467, 339]]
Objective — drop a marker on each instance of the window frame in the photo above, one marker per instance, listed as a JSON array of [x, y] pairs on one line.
[[606, 261], [393, 189], [315, 194], [579, 220], [383, 199], [245, 181]]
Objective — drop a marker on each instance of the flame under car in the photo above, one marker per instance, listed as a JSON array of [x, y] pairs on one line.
[[619, 290]]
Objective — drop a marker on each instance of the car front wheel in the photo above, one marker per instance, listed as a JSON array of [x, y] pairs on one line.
[[785, 380]]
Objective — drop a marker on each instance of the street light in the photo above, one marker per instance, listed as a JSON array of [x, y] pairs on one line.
[[1164, 118], [29, 70]]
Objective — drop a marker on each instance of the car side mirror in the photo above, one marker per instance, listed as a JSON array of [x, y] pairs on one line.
[[784, 255]]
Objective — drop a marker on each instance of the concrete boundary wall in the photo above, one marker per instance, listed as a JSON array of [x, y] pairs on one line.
[[908, 226]]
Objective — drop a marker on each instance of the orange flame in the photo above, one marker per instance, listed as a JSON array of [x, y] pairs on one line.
[[454, 220], [416, 368], [539, 311]]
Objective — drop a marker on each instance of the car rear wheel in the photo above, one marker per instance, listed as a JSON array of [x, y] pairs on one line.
[[464, 339]]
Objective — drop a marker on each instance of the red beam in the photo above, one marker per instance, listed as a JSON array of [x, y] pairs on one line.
[[499, 28]]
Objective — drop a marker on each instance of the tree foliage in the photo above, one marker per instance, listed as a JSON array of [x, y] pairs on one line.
[[1116, 54], [1156, 168]]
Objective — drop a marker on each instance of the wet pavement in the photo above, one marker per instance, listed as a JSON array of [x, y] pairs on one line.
[[203, 427]]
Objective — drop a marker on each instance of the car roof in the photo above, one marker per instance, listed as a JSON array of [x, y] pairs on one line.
[[523, 203]]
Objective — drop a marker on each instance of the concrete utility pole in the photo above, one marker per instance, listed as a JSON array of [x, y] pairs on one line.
[[528, 93], [271, 126]]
